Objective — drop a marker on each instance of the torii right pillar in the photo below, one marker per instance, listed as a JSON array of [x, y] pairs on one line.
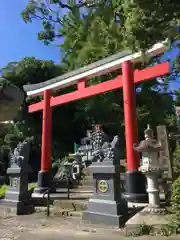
[[135, 182]]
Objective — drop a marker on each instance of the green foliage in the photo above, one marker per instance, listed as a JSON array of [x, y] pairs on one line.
[[138, 21], [143, 229], [176, 161], [3, 190], [178, 97], [147, 22], [9, 136], [175, 219], [11, 140], [32, 186], [3, 83], [165, 231], [30, 70]]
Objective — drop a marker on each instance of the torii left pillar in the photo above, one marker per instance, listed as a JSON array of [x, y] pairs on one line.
[[44, 175]]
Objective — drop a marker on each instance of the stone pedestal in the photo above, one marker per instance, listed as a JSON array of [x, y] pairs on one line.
[[106, 205]]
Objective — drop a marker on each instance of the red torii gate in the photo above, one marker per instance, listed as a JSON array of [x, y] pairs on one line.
[[135, 187]]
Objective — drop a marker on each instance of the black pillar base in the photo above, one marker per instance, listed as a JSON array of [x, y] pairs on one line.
[[44, 182], [135, 187]]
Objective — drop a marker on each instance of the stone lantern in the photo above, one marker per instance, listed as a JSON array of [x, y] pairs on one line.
[[150, 149]]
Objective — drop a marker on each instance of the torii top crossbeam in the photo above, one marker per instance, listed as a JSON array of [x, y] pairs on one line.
[[96, 69]]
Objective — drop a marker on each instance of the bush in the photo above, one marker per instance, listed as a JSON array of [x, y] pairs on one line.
[[176, 161], [11, 140], [175, 204], [3, 190], [32, 186]]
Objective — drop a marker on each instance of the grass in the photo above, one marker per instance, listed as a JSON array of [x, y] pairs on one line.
[[144, 229]]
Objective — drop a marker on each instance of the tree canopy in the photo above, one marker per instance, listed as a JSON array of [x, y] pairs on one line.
[[139, 23]]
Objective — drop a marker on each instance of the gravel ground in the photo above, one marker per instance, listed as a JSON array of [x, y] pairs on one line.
[[39, 227], [11, 227]]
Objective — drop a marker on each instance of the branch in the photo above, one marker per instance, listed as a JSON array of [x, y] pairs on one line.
[[47, 4], [64, 5], [79, 5], [46, 18]]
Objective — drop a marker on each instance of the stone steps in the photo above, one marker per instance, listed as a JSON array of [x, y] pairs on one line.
[[78, 200], [75, 207]]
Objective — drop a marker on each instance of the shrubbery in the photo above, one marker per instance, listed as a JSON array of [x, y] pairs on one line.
[[176, 161], [175, 200], [3, 190]]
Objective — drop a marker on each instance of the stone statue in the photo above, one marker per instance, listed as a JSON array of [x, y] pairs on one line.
[[112, 150], [106, 151], [97, 137], [20, 154], [97, 140]]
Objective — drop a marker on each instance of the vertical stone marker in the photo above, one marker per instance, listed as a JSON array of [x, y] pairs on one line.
[[18, 196], [165, 158], [106, 205]]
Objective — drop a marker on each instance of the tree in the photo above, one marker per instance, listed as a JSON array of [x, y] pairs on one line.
[[29, 70]]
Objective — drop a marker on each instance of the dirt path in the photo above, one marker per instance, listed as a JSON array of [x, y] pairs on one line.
[[38, 227]]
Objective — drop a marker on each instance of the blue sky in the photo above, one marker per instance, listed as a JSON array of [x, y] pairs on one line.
[[19, 40]]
